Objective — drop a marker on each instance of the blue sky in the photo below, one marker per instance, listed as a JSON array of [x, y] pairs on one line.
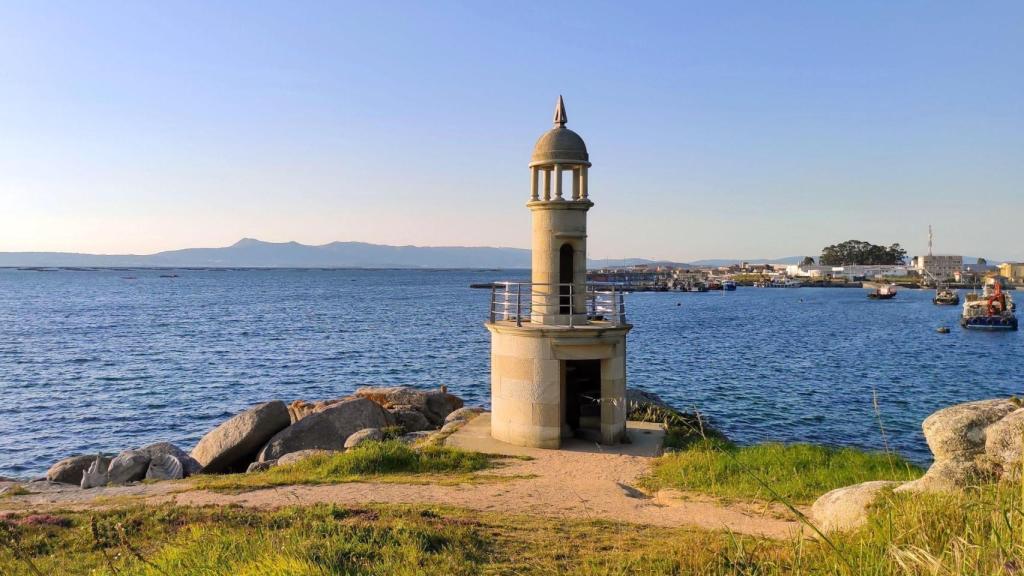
[[716, 129]]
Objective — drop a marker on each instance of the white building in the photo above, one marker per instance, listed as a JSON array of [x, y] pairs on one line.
[[939, 267], [851, 272]]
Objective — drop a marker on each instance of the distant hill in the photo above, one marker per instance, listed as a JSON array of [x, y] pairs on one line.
[[250, 253]]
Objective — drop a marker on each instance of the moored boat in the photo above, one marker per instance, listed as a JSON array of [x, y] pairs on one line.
[[993, 309], [883, 292], [946, 297], [728, 285]]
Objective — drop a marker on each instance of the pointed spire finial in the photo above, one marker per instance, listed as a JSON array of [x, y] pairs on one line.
[[560, 117]]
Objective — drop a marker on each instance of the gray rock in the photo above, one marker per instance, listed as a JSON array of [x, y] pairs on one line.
[[637, 399], [70, 470], [328, 429], [299, 456], [959, 431], [467, 413], [235, 443], [96, 475], [452, 426], [847, 508], [164, 466], [410, 419], [261, 466], [1003, 441], [414, 437], [128, 466], [435, 405], [190, 466], [364, 435]]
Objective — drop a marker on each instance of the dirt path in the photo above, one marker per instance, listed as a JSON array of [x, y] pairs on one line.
[[564, 484]]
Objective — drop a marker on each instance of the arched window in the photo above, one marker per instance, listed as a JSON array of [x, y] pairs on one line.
[[565, 278]]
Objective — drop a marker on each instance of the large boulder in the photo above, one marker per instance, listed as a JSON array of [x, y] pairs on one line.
[[233, 445], [128, 466], [410, 419], [364, 435], [847, 508], [959, 431], [949, 474], [70, 470], [1003, 441], [434, 404], [189, 465], [327, 429], [164, 466]]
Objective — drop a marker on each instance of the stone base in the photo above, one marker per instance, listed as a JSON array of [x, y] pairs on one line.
[[528, 380]]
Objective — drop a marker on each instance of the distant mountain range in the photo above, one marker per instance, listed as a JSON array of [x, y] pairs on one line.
[[250, 253]]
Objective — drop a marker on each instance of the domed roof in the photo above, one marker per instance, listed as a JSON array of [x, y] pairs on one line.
[[560, 145]]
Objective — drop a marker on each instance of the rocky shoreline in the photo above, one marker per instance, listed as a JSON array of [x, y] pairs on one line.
[[275, 433], [974, 443]]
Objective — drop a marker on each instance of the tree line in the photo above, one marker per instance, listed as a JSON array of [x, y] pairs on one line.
[[859, 252]]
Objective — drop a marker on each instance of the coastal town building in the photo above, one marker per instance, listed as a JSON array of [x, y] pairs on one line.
[[1013, 271], [849, 272], [558, 346], [938, 266]]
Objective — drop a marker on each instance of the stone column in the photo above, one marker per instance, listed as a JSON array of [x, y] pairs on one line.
[[576, 189], [533, 184], [583, 182], [547, 185], [558, 181]]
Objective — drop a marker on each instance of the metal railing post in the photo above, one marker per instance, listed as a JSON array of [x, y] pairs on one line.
[[572, 305], [615, 306], [494, 289], [519, 305]]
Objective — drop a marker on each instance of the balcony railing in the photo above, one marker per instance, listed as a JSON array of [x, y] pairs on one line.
[[528, 302]]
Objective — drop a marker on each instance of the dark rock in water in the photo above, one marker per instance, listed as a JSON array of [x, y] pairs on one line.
[[942, 330], [436, 405], [327, 430], [364, 435], [410, 419], [128, 466], [190, 465], [165, 466], [638, 399], [70, 470], [233, 445]]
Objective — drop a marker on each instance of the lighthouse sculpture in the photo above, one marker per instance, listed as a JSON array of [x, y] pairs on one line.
[[558, 345]]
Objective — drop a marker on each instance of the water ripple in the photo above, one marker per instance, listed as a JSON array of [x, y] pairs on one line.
[[90, 362]]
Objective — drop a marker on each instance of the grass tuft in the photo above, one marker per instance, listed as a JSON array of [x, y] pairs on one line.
[[798, 473], [390, 459]]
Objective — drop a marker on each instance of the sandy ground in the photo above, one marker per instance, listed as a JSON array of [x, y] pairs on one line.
[[571, 484]]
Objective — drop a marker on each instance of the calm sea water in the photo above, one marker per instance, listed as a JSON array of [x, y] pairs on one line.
[[106, 360]]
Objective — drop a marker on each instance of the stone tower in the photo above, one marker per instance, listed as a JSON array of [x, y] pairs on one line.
[[558, 345]]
